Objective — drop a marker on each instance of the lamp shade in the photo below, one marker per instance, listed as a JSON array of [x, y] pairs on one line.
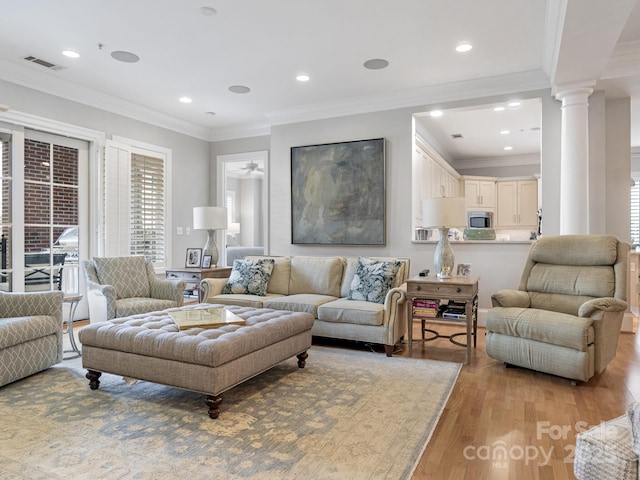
[[234, 228], [209, 218], [440, 212]]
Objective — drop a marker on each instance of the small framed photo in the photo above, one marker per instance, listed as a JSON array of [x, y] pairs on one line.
[[193, 257], [206, 261]]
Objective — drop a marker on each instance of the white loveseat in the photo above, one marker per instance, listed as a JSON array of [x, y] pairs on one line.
[[321, 286]]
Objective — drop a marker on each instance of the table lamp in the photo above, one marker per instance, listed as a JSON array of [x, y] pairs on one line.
[[210, 219], [444, 213]]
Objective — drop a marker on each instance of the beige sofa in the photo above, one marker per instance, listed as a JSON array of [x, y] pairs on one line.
[[30, 333], [321, 286]]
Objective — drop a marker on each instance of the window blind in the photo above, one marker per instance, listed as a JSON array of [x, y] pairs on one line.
[[147, 214]]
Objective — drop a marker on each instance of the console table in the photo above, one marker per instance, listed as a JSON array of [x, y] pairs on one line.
[[459, 289], [195, 275]]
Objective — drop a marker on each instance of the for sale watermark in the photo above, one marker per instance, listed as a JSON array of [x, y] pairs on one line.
[[500, 453]]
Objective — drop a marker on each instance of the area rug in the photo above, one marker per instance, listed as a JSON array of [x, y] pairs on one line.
[[348, 414]]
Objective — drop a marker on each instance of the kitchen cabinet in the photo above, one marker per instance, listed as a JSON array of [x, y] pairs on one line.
[[480, 194], [517, 204]]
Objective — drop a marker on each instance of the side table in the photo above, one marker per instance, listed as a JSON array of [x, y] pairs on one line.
[[459, 289], [73, 299], [195, 275]]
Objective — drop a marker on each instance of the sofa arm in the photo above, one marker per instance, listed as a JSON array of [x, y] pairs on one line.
[[34, 303], [168, 290], [510, 298], [212, 287], [605, 304], [394, 316]]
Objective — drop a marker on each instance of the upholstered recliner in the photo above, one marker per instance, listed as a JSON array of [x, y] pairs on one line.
[[30, 333], [566, 315], [122, 286]]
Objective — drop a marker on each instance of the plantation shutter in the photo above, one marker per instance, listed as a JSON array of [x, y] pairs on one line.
[[115, 235], [148, 208], [133, 204], [635, 213]]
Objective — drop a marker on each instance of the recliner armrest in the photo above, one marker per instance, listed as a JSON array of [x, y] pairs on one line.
[[510, 298], [606, 304]]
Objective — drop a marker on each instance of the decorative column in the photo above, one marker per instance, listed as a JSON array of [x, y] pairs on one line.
[[574, 160]]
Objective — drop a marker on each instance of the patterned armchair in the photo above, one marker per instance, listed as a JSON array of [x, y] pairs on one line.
[[30, 333], [122, 286]]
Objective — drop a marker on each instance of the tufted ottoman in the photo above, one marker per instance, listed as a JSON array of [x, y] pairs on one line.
[[149, 347]]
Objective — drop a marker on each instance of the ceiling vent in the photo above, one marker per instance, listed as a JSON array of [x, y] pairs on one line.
[[456, 136], [43, 63]]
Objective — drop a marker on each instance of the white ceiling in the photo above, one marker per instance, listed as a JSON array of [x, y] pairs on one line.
[[519, 45]]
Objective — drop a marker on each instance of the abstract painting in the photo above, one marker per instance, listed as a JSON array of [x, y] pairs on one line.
[[338, 193]]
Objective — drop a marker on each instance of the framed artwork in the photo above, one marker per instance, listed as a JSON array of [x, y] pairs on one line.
[[338, 193], [193, 257], [206, 261]]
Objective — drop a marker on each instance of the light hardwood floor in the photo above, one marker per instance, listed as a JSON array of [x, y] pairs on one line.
[[533, 416]]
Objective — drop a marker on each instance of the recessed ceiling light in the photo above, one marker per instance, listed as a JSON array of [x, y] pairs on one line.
[[239, 89], [498, 109], [208, 11], [185, 100], [303, 77], [504, 132], [464, 47], [376, 64], [435, 113], [126, 57], [514, 104], [508, 148], [70, 53]]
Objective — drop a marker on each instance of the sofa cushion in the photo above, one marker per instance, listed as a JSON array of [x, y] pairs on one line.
[[279, 281], [373, 279], [352, 311], [542, 325], [244, 300], [16, 330], [303, 302], [249, 276], [316, 275], [127, 274]]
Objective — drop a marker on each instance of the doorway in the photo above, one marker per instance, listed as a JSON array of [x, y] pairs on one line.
[[243, 188]]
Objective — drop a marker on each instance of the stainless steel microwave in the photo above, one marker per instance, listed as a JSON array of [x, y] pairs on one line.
[[479, 219]]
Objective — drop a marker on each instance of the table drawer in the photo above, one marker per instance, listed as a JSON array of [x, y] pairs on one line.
[[440, 291]]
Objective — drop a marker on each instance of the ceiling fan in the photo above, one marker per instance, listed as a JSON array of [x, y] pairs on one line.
[[253, 167]]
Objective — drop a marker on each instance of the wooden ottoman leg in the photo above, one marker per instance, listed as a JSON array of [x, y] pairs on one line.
[[213, 402], [302, 359], [93, 377]]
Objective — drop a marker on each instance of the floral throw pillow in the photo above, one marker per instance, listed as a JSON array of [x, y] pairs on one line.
[[250, 276], [373, 279]]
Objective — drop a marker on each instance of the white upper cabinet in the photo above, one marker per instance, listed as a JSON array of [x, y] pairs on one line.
[[517, 204], [480, 193]]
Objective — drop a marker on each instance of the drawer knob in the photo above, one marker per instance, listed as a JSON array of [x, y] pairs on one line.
[[458, 290], [418, 288]]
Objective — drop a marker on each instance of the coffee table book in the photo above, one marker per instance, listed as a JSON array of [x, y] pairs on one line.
[[205, 318]]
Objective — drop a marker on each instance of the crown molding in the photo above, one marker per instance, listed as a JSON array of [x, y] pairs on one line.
[[506, 161], [624, 61], [59, 87], [454, 91], [554, 22], [239, 131]]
